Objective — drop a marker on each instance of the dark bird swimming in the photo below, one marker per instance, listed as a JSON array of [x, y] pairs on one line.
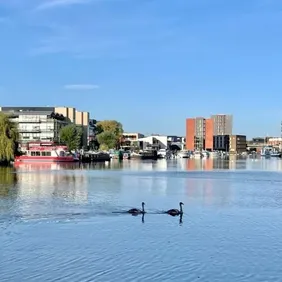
[[175, 212], [137, 211]]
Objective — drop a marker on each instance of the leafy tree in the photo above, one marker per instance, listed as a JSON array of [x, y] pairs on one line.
[[109, 133], [8, 138], [107, 140], [71, 135]]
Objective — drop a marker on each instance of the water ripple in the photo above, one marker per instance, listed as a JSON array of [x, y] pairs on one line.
[[70, 225]]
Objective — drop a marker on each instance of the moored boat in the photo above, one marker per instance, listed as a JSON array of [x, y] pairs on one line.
[[43, 153], [184, 154]]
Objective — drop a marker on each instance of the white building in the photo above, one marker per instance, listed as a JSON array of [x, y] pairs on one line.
[[38, 125], [154, 141], [45, 123]]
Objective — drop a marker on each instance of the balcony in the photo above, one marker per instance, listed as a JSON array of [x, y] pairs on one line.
[[29, 130]]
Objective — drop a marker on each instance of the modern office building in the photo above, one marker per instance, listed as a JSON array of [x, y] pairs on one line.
[[45, 123], [199, 134], [222, 124]]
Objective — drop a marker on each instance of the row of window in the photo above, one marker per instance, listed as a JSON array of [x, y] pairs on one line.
[[38, 153]]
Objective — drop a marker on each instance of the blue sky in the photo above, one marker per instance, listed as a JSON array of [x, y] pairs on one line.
[[147, 63]]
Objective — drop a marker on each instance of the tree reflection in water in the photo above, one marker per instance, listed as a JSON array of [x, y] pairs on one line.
[[8, 180]]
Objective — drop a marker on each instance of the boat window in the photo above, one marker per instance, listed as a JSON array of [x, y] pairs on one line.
[[62, 153], [47, 154], [37, 153], [33, 153]]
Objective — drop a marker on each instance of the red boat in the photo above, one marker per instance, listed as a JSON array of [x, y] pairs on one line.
[[45, 152]]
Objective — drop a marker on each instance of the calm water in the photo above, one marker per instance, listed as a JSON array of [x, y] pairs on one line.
[[57, 223]]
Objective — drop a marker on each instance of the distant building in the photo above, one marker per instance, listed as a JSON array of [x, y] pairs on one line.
[[175, 142], [274, 141], [45, 123], [222, 124], [221, 143], [199, 134], [237, 144], [130, 139], [153, 142]]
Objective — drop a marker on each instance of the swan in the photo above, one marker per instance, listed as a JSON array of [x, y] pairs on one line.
[[174, 212], [137, 211]]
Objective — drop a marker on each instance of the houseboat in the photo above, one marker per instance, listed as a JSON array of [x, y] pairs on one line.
[[45, 152]]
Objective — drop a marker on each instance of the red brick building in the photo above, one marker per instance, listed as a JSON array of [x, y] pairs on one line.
[[199, 134]]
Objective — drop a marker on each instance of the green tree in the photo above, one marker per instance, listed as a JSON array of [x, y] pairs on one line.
[[8, 138], [71, 135], [112, 126], [107, 140], [109, 133]]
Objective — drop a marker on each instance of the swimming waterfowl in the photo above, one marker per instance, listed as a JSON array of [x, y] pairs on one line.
[[174, 212], [137, 211]]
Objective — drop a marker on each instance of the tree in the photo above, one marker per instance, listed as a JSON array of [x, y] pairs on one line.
[[71, 135], [107, 140], [111, 126], [8, 138], [109, 133]]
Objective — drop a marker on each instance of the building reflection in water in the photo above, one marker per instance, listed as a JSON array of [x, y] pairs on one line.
[[270, 164], [208, 189], [237, 163], [207, 164], [52, 180]]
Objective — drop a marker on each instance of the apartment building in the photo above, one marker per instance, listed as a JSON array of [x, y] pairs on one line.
[[222, 124], [45, 123], [221, 143], [199, 134], [237, 144]]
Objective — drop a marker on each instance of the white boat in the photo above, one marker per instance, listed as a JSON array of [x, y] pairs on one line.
[[269, 151], [198, 155], [183, 154], [214, 155], [162, 154], [205, 154]]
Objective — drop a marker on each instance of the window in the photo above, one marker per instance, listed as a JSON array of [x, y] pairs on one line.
[[47, 154]]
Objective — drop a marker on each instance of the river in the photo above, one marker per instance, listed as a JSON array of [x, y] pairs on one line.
[[66, 223]]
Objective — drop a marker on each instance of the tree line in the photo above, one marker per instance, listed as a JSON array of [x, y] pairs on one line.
[[108, 134]]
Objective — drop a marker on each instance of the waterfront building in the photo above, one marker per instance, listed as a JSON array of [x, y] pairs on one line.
[[222, 124], [130, 139], [234, 144], [45, 123], [199, 134], [203, 133], [175, 142], [153, 142], [221, 143], [237, 144]]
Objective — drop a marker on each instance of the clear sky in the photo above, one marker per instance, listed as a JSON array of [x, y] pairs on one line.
[[146, 63]]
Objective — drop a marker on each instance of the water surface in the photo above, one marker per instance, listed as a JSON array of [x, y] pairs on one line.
[[57, 221]]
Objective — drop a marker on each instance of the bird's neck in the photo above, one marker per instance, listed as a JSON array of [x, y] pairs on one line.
[[180, 208]]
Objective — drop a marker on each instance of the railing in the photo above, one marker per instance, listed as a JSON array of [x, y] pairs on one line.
[[29, 130]]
